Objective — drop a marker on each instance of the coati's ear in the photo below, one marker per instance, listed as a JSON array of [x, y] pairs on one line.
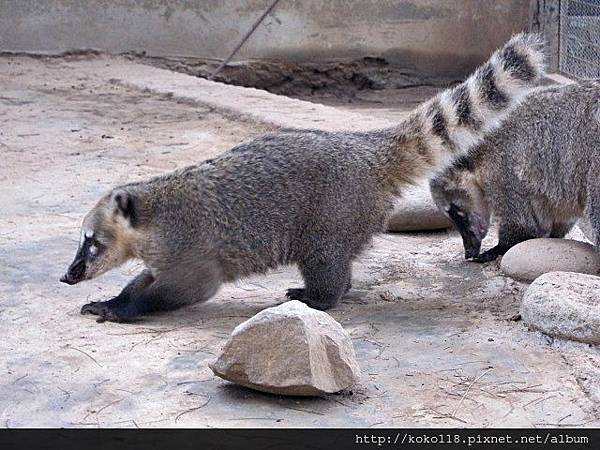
[[124, 204]]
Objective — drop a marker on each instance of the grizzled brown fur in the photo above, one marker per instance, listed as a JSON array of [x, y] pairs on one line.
[[538, 173], [310, 198]]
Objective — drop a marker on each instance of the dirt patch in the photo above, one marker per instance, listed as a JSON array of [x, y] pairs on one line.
[[332, 82]]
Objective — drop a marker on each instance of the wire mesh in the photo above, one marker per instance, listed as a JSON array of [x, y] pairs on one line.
[[579, 43]]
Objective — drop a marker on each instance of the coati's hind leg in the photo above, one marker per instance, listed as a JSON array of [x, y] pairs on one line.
[[145, 294], [326, 279]]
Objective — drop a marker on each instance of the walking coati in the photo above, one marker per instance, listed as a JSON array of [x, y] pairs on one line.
[[311, 198]]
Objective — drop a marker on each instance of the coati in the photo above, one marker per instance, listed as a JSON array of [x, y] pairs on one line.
[[312, 198], [538, 172]]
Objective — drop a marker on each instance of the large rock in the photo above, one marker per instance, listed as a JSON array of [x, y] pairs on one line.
[[530, 259], [565, 305], [289, 349], [416, 211]]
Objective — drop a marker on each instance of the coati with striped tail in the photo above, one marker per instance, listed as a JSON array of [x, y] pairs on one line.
[[538, 173], [311, 198]]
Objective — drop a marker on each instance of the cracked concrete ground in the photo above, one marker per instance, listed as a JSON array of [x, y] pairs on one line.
[[433, 333]]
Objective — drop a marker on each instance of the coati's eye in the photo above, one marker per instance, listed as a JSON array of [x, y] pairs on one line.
[[95, 248], [456, 209], [453, 210], [457, 215], [91, 246]]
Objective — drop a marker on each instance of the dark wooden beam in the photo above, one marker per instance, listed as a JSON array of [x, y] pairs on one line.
[[544, 18]]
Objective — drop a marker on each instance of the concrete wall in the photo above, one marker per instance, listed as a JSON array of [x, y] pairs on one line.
[[444, 37]]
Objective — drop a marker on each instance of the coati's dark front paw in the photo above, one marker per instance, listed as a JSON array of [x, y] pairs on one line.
[[300, 294], [296, 294], [486, 257], [106, 312]]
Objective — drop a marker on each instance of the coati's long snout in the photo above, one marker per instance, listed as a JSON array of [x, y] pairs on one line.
[[458, 195], [87, 252], [84, 258], [75, 273], [471, 239]]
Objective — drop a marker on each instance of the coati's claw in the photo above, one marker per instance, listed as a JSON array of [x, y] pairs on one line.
[[104, 311], [486, 257], [90, 308], [318, 305], [300, 294], [296, 294]]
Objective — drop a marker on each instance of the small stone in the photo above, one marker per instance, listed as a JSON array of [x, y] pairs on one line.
[[416, 211], [564, 305], [289, 349], [530, 259], [588, 231], [576, 233]]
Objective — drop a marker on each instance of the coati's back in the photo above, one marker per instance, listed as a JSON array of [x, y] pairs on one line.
[[270, 201], [545, 149]]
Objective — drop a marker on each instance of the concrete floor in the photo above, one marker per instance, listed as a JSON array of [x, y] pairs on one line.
[[433, 333]]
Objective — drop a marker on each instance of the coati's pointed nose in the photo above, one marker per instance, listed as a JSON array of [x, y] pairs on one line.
[[67, 279], [75, 273]]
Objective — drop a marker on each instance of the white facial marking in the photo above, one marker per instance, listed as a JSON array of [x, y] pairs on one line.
[[93, 250], [88, 233]]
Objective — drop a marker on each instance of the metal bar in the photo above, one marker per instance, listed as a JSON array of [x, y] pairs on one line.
[[244, 39]]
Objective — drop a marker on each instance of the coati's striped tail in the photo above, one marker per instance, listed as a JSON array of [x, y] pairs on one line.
[[458, 118]]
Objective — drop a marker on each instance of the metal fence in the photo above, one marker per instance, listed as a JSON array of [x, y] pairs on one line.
[[579, 38]]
